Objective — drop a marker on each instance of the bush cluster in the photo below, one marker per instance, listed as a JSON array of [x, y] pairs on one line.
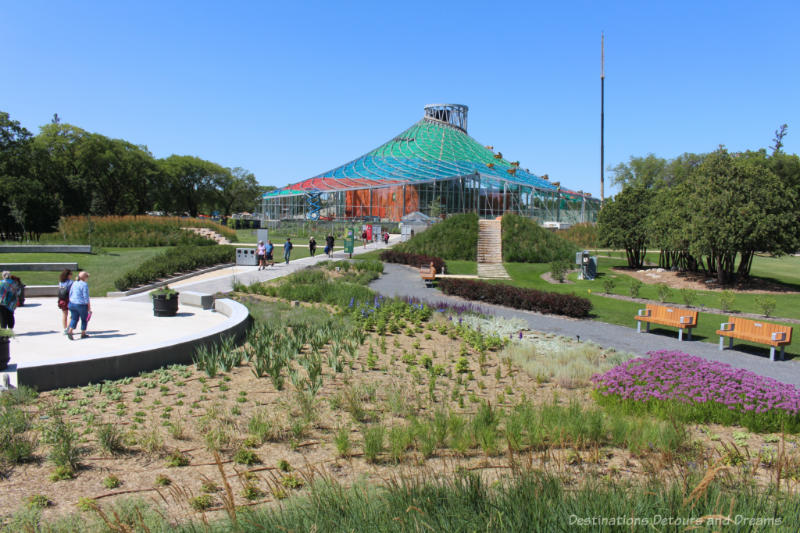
[[135, 231], [525, 241], [175, 260], [456, 237], [518, 298], [415, 260], [584, 235]]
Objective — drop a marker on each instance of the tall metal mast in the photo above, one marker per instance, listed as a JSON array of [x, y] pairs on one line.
[[602, 118]]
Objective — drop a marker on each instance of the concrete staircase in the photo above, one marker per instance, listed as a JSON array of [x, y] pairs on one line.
[[490, 250], [209, 234]]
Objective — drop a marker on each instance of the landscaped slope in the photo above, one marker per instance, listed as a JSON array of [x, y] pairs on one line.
[[456, 237]]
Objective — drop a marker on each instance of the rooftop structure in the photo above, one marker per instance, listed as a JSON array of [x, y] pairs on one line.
[[434, 167]]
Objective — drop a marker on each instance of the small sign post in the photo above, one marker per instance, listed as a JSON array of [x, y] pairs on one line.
[[349, 241]]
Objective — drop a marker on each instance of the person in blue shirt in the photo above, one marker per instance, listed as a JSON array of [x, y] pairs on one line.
[[287, 249], [268, 250], [9, 299], [79, 305]]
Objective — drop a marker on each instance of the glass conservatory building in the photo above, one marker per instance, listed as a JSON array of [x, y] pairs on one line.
[[433, 167]]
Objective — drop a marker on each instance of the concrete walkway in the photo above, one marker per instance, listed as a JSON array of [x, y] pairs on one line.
[[400, 281], [224, 279]]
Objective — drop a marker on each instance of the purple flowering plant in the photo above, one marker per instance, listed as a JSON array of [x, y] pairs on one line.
[[679, 386]]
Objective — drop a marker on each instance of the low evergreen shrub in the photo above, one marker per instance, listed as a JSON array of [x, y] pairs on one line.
[[174, 261], [415, 260], [525, 241], [456, 237], [518, 298]]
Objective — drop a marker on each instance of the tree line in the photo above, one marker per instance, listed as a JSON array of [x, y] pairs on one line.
[[706, 212], [66, 170]]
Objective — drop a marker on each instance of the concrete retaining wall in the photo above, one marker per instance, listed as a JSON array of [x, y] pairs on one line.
[[49, 375], [38, 267], [47, 249]]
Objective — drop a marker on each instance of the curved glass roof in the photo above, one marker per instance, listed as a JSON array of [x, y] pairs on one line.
[[429, 150]]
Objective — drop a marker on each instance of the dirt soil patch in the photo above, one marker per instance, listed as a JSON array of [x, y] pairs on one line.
[[702, 282], [181, 416]]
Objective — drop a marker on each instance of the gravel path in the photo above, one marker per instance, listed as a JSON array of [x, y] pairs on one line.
[[399, 280]]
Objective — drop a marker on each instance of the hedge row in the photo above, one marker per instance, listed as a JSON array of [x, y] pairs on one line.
[[175, 261], [415, 260], [553, 303], [455, 237]]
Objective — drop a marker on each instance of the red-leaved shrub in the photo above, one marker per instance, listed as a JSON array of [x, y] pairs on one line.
[[529, 299], [415, 260]]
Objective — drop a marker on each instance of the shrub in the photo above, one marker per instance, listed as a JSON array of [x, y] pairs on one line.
[[175, 260], [518, 298], [634, 288], [15, 446], [608, 285], [584, 235], [61, 435], [202, 502], [247, 457], [766, 304], [415, 260], [456, 237], [558, 270], [525, 241], [726, 299], [688, 296], [133, 231], [664, 292]]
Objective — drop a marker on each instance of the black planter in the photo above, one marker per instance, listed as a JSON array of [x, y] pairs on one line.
[[163, 306], [5, 356]]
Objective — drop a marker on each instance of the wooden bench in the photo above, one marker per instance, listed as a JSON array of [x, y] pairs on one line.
[[667, 316], [428, 274], [754, 331]]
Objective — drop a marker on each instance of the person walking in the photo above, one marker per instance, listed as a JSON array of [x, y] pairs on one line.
[[329, 245], [364, 238], [312, 246], [261, 255], [287, 249], [64, 285], [386, 238], [79, 305], [268, 251], [9, 299]]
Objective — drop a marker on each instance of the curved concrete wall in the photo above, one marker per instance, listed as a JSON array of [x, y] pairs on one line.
[[115, 365]]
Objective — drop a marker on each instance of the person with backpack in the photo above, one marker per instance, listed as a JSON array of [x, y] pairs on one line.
[[287, 249], [268, 250], [64, 285], [329, 245]]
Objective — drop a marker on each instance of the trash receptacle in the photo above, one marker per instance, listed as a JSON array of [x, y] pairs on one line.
[[246, 257]]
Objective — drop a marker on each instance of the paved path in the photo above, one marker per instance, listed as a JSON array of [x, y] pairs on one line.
[[401, 281], [223, 280]]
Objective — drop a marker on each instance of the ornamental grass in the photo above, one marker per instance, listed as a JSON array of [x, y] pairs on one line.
[[679, 386]]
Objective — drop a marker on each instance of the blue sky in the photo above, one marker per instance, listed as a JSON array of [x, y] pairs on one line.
[[291, 89]]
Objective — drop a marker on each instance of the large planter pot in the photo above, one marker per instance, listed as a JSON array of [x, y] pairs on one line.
[[5, 355], [163, 306]]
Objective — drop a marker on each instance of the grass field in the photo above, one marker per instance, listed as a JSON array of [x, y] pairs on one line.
[[621, 312], [104, 266]]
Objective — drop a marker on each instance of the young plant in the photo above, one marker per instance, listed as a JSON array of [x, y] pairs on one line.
[[373, 442], [634, 287]]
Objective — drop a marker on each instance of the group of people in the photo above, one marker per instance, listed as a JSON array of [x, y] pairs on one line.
[[384, 237], [73, 300], [264, 251]]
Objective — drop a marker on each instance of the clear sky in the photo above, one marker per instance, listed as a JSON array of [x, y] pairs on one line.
[[291, 89]]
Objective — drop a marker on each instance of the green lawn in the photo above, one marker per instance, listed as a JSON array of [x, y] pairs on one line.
[[105, 266], [621, 312]]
